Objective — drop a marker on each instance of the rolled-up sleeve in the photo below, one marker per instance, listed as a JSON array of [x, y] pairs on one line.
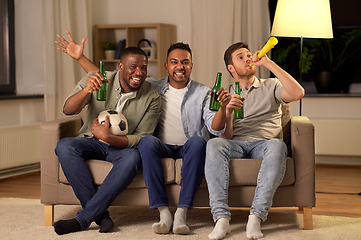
[[208, 116]]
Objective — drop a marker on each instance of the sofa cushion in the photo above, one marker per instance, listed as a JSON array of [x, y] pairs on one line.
[[244, 172], [100, 169]]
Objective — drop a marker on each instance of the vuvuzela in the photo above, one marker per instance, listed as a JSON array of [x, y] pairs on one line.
[[270, 44]]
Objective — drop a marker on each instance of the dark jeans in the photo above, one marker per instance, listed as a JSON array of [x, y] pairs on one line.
[[73, 153], [152, 150]]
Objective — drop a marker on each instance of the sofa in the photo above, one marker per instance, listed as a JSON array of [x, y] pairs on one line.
[[296, 190]]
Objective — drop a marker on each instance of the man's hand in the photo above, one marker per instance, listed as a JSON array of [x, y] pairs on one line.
[[259, 61], [72, 49], [101, 131], [224, 97], [235, 103], [94, 82]]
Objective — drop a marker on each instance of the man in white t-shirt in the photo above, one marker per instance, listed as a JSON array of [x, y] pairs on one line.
[[184, 124], [185, 113]]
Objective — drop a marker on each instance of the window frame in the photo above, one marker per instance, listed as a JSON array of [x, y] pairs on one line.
[[9, 88]]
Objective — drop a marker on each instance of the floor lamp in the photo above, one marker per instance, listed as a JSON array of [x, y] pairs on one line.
[[303, 19]]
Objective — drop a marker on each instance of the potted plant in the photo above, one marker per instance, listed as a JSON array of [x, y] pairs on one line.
[[331, 60], [335, 61], [109, 47], [287, 55]]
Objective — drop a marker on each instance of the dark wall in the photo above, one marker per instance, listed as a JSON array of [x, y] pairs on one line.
[[344, 13], [346, 16]]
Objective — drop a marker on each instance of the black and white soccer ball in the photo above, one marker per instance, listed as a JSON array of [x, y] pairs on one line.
[[118, 124]]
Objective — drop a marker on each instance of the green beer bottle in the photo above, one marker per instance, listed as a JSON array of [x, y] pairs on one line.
[[102, 91], [238, 113], [214, 104]]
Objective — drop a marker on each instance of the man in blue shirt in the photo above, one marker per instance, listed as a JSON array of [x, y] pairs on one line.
[[184, 103], [185, 113]]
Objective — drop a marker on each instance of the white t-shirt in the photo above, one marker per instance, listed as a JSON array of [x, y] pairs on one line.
[[122, 100], [170, 127]]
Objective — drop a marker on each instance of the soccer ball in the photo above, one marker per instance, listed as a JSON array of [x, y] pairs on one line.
[[118, 124]]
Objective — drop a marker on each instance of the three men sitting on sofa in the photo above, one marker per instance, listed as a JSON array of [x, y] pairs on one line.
[[258, 135]]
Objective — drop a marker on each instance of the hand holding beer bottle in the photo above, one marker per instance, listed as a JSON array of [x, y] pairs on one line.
[[214, 104], [219, 95], [238, 113], [102, 91]]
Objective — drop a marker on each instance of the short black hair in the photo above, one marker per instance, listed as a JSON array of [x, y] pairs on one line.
[[228, 53], [132, 50], [179, 45]]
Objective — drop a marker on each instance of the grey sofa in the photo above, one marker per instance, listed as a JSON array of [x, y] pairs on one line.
[[296, 190]]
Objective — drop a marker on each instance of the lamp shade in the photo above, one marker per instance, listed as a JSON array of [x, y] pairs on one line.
[[303, 18]]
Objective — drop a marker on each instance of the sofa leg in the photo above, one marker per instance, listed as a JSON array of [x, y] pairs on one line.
[[48, 215], [307, 218]]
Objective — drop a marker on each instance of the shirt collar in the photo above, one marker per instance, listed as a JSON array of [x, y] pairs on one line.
[[256, 83], [166, 86]]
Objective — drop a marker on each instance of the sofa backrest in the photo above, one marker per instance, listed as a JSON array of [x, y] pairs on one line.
[[286, 123]]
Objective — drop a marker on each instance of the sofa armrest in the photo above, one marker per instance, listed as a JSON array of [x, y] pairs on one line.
[[50, 133], [303, 154]]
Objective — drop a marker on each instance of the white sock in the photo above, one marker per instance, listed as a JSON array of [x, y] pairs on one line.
[[253, 228], [165, 223], [180, 225], [220, 230]]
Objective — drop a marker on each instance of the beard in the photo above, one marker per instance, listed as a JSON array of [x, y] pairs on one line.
[[247, 72], [130, 87]]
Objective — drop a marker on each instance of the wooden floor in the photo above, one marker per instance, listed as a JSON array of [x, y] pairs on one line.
[[337, 190]]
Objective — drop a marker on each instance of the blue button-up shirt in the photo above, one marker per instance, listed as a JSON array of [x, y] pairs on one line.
[[195, 112]]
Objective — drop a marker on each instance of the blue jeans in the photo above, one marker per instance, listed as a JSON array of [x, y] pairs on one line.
[[152, 150], [73, 153], [273, 167]]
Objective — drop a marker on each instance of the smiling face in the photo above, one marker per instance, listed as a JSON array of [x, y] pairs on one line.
[[241, 59], [179, 67], [132, 72]]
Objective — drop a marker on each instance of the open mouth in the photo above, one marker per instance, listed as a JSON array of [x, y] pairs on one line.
[[135, 82], [136, 79], [179, 74]]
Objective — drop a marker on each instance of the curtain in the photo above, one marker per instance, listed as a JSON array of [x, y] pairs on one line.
[[216, 25], [61, 73]]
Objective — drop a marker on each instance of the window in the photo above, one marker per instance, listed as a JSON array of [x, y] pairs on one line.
[[7, 48]]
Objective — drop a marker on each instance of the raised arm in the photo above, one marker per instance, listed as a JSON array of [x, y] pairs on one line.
[[292, 90], [76, 51], [75, 103]]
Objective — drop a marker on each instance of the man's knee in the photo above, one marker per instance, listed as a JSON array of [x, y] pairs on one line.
[[276, 150], [196, 142], [148, 141], [64, 146], [215, 143], [277, 145]]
